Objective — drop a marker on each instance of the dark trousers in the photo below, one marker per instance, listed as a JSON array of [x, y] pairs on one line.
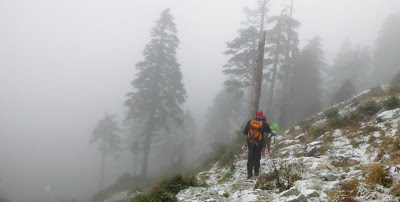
[[253, 161]]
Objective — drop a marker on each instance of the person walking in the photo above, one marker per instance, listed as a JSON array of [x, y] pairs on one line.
[[255, 130]]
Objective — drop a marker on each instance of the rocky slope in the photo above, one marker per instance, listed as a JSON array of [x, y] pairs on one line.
[[347, 153]]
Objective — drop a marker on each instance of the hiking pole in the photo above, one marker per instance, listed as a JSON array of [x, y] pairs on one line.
[[232, 167]]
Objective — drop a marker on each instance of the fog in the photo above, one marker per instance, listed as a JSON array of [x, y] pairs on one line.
[[63, 64]]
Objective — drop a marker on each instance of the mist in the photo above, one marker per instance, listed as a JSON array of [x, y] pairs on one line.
[[64, 64]]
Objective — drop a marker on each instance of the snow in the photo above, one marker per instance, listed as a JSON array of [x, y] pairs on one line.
[[319, 174]]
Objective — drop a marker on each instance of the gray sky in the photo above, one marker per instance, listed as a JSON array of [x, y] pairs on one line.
[[64, 63]]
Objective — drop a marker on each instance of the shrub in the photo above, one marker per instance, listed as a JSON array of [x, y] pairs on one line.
[[350, 188], [345, 92], [370, 108], [395, 190], [396, 79], [331, 113], [225, 177], [392, 103], [378, 175], [167, 188], [337, 122], [305, 125], [123, 183], [376, 91], [318, 131]]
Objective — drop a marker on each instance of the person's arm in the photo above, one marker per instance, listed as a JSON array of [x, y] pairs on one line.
[[267, 129], [247, 128]]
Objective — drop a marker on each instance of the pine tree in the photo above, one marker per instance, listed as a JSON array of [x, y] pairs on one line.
[[345, 92], [282, 44], [158, 92], [386, 54], [307, 80], [350, 63], [291, 51], [105, 135], [243, 50]]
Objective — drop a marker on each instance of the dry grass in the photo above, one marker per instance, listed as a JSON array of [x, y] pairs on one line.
[[378, 175], [395, 189]]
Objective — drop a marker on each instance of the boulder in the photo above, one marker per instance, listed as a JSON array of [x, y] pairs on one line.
[[290, 192], [300, 198]]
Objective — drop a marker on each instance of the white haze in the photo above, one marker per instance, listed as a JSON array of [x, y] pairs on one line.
[[63, 64]]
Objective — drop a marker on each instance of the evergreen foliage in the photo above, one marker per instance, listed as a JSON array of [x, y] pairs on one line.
[[346, 91], [387, 51], [307, 80], [158, 92], [392, 102], [105, 135]]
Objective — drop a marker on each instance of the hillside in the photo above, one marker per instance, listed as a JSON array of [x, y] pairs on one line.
[[349, 152]]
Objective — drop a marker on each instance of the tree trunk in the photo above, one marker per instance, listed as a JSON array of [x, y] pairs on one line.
[[258, 76], [102, 170], [276, 60], [146, 152], [289, 56]]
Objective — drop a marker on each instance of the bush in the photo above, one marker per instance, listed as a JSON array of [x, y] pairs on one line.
[[370, 108], [318, 131], [396, 79], [392, 103], [125, 182], [345, 92], [337, 122], [331, 113], [167, 188], [305, 125], [376, 91], [378, 175], [395, 190]]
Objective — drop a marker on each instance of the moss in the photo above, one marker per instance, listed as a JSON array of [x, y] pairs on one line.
[[392, 102]]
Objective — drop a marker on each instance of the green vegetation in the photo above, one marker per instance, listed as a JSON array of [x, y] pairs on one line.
[[225, 177], [331, 113], [392, 102], [305, 125], [167, 188], [125, 182], [369, 108], [318, 131]]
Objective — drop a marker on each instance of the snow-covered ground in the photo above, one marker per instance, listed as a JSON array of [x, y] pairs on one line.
[[325, 165]]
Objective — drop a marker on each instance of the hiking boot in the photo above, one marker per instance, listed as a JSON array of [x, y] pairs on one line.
[[249, 176], [256, 174]]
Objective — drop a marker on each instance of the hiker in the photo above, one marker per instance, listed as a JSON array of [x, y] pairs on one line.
[[255, 130], [268, 137]]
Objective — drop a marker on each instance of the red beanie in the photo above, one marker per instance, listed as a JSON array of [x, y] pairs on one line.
[[259, 114]]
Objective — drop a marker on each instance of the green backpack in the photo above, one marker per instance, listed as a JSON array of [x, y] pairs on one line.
[[275, 128]]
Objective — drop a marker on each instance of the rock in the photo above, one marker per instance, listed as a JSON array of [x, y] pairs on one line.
[[328, 176], [290, 192], [311, 193], [221, 193], [311, 151], [301, 198]]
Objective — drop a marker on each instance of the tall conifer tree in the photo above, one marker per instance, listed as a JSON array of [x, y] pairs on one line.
[[158, 92]]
